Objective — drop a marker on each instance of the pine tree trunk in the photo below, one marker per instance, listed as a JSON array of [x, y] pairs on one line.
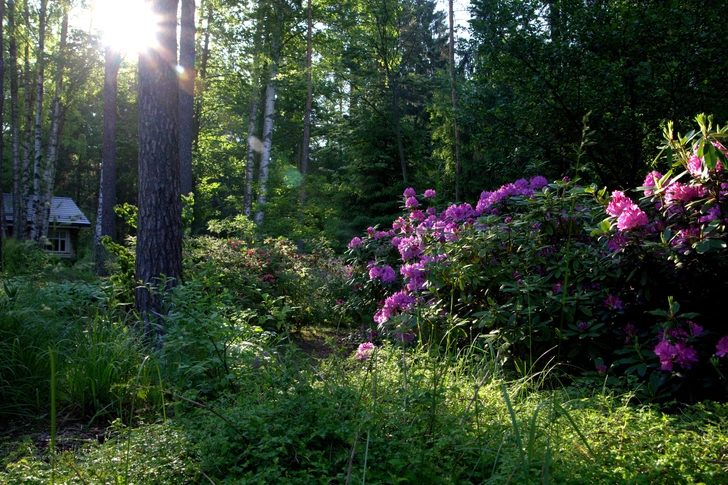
[[49, 173], [18, 200], [453, 90], [159, 227], [106, 218], [38, 211], [186, 93]]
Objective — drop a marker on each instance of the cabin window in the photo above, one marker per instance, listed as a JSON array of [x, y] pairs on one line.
[[59, 241]]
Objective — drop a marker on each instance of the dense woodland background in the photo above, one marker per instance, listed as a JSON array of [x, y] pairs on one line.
[[531, 82]]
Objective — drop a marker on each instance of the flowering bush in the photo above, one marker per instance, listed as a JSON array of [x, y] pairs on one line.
[[555, 271]]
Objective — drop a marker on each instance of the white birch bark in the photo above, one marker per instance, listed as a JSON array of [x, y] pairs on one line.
[[38, 212], [49, 174], [250, 162], [270, 100]]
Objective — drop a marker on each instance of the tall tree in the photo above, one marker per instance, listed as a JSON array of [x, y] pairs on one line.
[[49, 171], [27, 131], [159, 227], [269, 114], [19, 213], [186, 92], [38, 211], [106, 218], [454, 94], [3, 229], [305, 146]]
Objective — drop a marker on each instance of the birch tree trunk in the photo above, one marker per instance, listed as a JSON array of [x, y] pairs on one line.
[[37, 227], [49, 174], [27, 131], [186, 93], [105, 216], [253, 142], [270, 101]]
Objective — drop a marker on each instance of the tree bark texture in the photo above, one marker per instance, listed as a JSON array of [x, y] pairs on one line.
[[453, 91], [19, 214], [35, 233], [270, 101], [106, 218], [159, 227], [250, 161], [3, 228], [186, 93], [27, 132], [49, 172]]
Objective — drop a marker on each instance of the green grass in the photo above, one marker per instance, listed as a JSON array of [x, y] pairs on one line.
[[351, 422], [414, 416]]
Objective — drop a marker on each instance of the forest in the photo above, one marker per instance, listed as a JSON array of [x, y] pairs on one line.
[[279, 241]]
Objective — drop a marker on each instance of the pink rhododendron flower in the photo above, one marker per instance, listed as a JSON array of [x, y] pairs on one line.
[[722, 347], [651, 181], [399, 302], [355, 242], [695, 166], [364, 351], [409, 192], [409, 247], [686, 356], [631, 217], [618, 203], [417, 216], [695, 329], [411, 202], [538, 182], [617, 242], [613, 303], [678, 192], [430, 194], [666, 352]]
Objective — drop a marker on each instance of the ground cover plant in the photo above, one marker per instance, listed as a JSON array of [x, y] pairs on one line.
[[552, 332]]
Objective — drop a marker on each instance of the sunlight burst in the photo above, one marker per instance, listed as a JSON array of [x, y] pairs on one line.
[[127, 25]]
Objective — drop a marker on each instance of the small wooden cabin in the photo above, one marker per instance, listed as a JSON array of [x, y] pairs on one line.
[[66, 220]]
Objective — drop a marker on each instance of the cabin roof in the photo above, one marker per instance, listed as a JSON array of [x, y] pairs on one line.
[[63, 211]]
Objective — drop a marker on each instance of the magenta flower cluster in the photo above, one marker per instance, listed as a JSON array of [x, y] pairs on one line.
[[412, 235], [365, 351], [691, 207]]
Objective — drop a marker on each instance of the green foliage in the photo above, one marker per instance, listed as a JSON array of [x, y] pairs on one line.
[[96, 358], [23, 258], [123, 274], [538, 70]]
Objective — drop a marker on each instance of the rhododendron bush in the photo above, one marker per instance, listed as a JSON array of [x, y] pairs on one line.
[[627, 283]]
